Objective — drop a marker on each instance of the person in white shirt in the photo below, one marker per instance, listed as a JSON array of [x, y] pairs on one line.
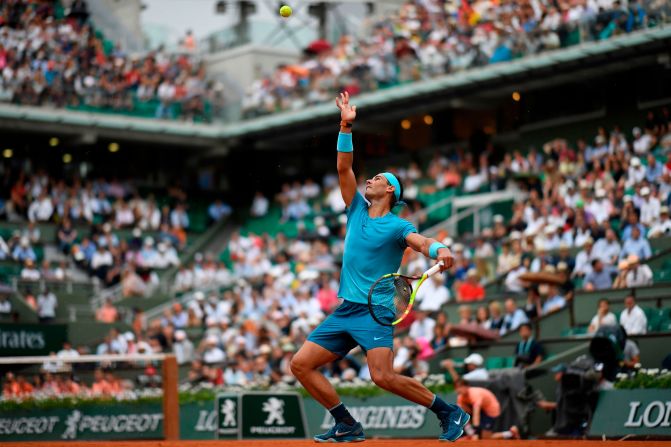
[[41, 209], [182, 347], [583, 260], [29, 272], [259, 205], [422, 327], [632, 318], [433, 294], [635, 173], [642, 141], [638, 275], [212, 353], [662, 226], [46, 306], [650, 207], [600, 207], [603, 317], [101, 261], [475, 371]]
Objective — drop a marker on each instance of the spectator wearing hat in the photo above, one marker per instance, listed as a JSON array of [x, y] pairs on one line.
[[528, 351], [471, 289], [601, 207], [632, 318], [603, 317], [507, 260], [662, 226], [608, 248], [635, 173], [620, 281], [637, 245], [182, 347], [638, 275], [474, 369], [599, 278]]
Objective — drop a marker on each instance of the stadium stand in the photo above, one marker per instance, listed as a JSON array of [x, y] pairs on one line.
[[582, 241]]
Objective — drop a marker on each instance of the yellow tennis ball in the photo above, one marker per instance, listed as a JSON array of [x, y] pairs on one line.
[[285, 11]]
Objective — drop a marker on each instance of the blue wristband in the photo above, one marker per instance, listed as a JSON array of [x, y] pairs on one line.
[[345, 142], [433, 249]]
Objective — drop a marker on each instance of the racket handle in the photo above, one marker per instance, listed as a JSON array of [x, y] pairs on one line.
[[434, 269]]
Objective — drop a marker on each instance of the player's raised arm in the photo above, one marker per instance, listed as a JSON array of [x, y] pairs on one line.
[[431, 248], [345, 148]]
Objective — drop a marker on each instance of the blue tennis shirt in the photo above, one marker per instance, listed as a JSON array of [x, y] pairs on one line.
[[373, 247]]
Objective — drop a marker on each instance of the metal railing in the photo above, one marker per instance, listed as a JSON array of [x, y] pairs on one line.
[[66, 285]]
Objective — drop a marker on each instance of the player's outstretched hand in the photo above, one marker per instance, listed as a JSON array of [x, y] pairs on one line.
[[347, 111], [445, 256]]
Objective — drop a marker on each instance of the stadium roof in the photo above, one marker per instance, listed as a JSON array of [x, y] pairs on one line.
[[581, 56]]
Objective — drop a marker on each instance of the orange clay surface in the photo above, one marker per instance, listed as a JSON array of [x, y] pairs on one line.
[[368, 443]]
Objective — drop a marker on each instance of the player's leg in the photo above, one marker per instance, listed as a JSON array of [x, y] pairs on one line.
[[452, 418], [328, 342], [305, 365]]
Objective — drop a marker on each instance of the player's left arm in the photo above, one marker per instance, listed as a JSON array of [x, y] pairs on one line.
[[431, 248]]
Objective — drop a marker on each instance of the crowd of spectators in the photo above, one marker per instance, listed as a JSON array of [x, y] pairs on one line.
[[424, 39], [105, 228], [46, 59]]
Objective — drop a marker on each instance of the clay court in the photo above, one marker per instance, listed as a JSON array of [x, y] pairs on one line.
[[306, 443]]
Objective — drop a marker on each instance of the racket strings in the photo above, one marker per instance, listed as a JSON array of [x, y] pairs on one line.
[[390, 298]]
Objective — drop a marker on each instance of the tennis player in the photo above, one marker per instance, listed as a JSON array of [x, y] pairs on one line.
[[374, 245]]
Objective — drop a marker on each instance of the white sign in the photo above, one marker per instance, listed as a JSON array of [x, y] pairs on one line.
[[656, 414]]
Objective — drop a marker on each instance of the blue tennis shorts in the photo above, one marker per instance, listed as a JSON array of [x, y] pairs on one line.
[[349, 325]]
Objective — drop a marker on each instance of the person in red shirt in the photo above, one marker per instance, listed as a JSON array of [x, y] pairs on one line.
[[471, 289], [327, 297]]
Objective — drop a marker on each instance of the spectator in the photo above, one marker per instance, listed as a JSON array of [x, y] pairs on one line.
[[599, 278], [212, 354], [67, 235], [422, 326], [433, 294], [107, 313], [554, 302], [183, 348], [513, 317], [475, 371], [650, 206], [29, 272], [631, 354], [662, 226], [632, 318], [638, 275], [471, 289], [608, 248], [219, 210], [603, 317], [495, 321], [636, 245], [583, 260], [259, 205], [46, 306], [528, 351], [41, 209], [23, 251], [5, 308]]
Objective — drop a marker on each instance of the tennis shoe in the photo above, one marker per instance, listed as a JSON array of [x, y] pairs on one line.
[[342, 432], [452, 423]]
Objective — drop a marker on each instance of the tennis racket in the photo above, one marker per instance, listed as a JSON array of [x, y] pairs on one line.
[[391, 297]]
